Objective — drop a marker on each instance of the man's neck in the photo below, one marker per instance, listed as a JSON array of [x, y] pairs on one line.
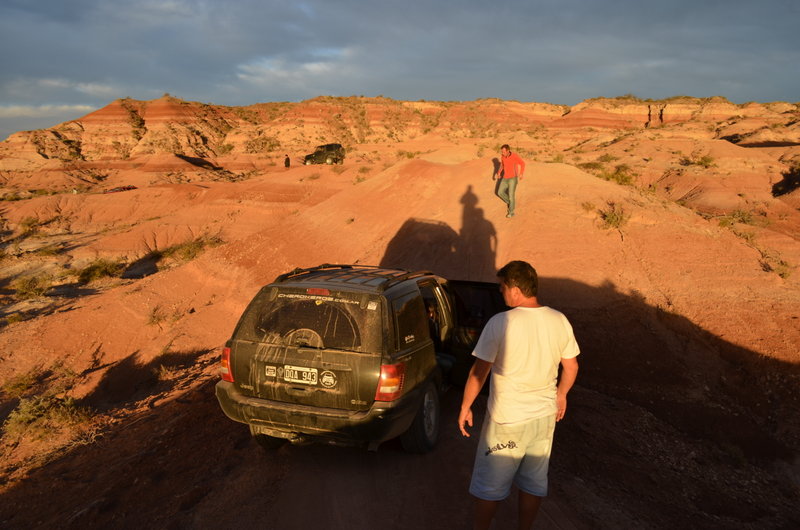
[[529, 302]]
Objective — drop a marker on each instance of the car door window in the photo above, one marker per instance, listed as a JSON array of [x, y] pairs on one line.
[[410, 320]]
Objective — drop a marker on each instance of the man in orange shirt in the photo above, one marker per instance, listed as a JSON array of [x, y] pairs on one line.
[[510, 171]]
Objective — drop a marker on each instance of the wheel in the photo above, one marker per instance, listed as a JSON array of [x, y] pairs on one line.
[[329, 160], [421, 437], [308, 162], [340, 161]]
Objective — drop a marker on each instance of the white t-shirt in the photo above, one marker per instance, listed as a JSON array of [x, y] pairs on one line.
[[525, 345]]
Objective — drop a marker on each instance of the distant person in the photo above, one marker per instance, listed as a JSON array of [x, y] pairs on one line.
[[509, 172], [522, 349], [287, 162]]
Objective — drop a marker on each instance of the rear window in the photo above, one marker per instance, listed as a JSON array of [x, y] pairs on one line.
[[340, 321]]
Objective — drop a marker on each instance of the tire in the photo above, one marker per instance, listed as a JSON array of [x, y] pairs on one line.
[[308, 162], [421, 437], [340, 161], [329, 160]]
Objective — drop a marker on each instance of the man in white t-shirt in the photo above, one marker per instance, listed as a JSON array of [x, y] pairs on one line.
[[522, 349]]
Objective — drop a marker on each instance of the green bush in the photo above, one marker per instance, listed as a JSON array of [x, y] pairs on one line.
[[21, 383], [261, 144], [29, 287], [101, 268], [704, 161], [39, 415], [737, 216], [224, 149], [29, 225], [622, 174], [591, 166], [189, 250], [614, 216]]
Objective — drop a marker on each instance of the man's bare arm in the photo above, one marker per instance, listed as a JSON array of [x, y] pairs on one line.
[[569, 372], [477, 377]]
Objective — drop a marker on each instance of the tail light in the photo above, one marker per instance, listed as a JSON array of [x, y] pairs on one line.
[[390, 384], [225, 366]]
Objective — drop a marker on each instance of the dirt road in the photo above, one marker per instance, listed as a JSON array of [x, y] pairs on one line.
[[183, 464]]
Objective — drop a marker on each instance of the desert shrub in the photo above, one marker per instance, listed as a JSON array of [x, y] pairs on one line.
[[746, 235], [591, 166], [622, 174], [588, 206], [338, 169], [156, 316], [29, 287], [13, 318], [49, 250], [100, 268], [224, 149], [613, 216], [38, 415], [704, 161], [247, 115], [606, 158], [364, 169], [29, 225], [41, 192], [737, 216], [261, 144], [187, 250], [11, 197], [21, 383], [778, 266]]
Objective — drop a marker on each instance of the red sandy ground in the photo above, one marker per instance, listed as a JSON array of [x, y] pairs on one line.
[[684, 414]]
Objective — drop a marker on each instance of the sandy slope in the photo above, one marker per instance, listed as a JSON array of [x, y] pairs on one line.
[[685, 413]]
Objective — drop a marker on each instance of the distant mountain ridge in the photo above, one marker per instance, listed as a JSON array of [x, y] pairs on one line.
[[128, 128]]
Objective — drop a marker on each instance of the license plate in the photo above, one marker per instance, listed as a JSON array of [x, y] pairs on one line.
[[300, 374]]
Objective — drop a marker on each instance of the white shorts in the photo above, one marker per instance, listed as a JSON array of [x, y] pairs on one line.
[[512, 453]]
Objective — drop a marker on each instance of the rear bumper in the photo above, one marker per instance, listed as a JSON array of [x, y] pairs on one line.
[[383, 421]]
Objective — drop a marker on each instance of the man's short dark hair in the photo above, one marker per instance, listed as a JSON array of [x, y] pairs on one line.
[[505, 146], [520, 274]]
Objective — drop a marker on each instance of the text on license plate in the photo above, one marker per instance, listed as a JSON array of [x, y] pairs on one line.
[[300, 374]]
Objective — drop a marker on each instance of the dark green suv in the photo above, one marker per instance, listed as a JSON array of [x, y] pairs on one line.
[[326, 154], [351, 355]]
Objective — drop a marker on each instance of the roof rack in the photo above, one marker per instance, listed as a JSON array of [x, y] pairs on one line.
[[389, 278], [298, 271]]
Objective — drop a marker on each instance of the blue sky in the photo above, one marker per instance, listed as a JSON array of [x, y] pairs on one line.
[[61, 59]]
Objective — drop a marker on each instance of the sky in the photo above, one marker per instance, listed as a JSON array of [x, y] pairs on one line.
[[61, 59]]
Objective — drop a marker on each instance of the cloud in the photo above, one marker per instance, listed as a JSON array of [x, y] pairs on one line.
[[14, 118], [326, 67], [92, 89], [43, 111], [239, 52]]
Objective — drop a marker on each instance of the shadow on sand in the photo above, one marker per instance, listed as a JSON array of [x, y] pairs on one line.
[[667, 426], [470, 254]]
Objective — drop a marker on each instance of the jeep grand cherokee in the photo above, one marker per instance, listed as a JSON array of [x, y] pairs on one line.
[[350, 354]]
